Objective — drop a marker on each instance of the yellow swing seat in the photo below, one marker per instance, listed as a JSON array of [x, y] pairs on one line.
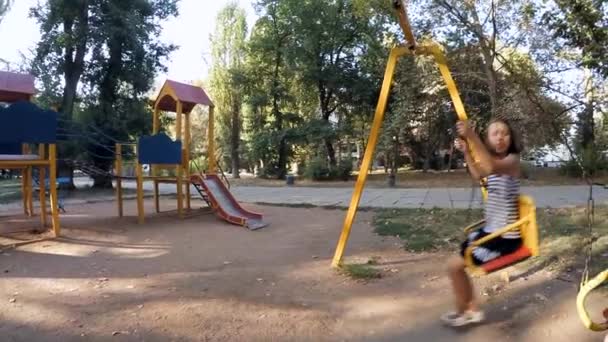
[[529, 234], [582, 296]]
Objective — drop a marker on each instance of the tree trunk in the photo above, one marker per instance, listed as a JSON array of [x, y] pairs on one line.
[[73, 67], [107, 98], [331, 153], [278, 115], [235, 140]]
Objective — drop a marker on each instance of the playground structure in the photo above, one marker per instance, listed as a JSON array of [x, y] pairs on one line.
[[160, 153], [25, 125], [527, 222]]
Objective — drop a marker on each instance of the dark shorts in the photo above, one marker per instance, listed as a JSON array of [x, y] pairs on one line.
[[490, 250]]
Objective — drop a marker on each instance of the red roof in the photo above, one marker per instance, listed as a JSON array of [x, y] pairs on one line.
[[16, 87], [188, 94]]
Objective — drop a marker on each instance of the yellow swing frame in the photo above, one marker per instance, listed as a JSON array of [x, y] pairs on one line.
[[527, 223]]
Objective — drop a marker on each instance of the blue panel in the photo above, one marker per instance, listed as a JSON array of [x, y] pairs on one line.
[[24, 122], [159, 149], [10, 148]]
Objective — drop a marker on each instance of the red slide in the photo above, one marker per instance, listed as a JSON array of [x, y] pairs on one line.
[[224, 204]]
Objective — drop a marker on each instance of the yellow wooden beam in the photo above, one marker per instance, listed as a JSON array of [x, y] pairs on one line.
[[186, 161], [178, 168], [367, 157], [30, 192], [140, 193], [42, 195], [156, 195], [24, 189], [53, 189], [42, 187], [22, 164]]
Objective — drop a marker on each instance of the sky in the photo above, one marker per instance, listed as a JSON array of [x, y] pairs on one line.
[[190, 31]]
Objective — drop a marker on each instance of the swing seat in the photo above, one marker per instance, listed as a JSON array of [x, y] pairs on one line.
[[529, 234], [586, 288]]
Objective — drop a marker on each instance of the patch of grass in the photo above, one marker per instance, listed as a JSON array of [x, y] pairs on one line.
[[425, 229], [361, 271], [563, 233]]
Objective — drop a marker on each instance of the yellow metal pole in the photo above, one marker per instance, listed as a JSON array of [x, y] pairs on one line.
[[449, 82], [178, 168], [42, 187], [140, 192], [53, 188], [369, 152], [188, 138], [454, 94], [211, 142], [118, 167]]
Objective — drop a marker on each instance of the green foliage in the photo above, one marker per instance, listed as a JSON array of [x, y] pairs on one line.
[[563, 232], [228, 47], [591, 160], [425, 229], [319, 169], [113, 47], [582, 24]]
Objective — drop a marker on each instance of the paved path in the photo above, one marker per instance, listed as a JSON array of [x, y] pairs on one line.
[[546, 196]]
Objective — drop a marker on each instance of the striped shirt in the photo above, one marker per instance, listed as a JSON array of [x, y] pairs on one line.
[[502, 205]]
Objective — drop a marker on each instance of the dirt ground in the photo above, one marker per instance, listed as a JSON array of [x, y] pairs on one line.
[[200, 279]]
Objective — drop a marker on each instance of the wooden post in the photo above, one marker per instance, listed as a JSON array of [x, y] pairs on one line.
[[42, 187], [155, 129], [30, 191], [156, 197], [187, 138], [140, 189], [24, 190], [178, 168], [118, 167], [53, 188], [211, 142], [156, 122]]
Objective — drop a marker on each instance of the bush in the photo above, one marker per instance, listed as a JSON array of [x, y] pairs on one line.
[[199, 164], [319, 170], [344, 169], [592, 161]]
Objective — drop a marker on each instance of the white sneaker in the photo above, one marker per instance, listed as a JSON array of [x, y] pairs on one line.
[[456, 319]]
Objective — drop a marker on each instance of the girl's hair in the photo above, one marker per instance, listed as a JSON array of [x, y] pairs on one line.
[[515, 146]]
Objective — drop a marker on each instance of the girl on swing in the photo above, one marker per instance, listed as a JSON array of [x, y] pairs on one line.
[[499, 162]]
